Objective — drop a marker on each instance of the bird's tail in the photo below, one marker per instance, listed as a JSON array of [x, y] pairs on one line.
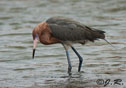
[[100, 35], [109, 43]]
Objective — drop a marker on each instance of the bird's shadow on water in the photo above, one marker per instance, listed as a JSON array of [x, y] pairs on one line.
[[76, 80]]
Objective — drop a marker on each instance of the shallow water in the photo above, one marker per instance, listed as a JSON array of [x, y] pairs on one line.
[[49, 68]]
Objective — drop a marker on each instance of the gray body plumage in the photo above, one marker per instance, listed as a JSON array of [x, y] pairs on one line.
[[66, 29]]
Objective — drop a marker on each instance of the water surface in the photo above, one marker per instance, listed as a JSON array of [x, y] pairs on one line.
[[49, 68]]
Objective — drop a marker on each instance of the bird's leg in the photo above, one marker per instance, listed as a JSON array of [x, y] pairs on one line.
[[69, 63], [66, 47], [80, 58]]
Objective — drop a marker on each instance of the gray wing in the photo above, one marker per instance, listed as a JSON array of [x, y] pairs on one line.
[[69, 32], [67, 29]]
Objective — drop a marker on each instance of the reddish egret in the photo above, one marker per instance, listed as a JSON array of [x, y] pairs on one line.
[[65, 31]]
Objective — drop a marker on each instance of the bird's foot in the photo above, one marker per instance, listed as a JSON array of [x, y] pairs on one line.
[[69, 71], [79, 69], [80, 65]]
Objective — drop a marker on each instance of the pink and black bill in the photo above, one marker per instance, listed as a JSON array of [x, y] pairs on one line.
[[34, 45], [33, 54]]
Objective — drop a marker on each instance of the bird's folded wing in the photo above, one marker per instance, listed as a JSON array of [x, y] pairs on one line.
[[70, 32]]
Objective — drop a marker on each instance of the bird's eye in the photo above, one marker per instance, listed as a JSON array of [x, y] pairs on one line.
[[36, 36]]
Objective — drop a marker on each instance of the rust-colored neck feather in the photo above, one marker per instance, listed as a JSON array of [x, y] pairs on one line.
[[41, 27], [45, 34]]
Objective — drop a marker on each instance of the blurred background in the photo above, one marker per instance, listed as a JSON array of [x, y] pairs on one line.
[[49, 68]]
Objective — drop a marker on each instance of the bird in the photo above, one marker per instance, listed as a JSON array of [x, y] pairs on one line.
[[65, 31]]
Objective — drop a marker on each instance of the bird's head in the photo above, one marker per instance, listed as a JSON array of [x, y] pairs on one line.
[[36, 33]]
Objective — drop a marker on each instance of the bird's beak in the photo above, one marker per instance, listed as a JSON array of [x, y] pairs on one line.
[[34, 47]]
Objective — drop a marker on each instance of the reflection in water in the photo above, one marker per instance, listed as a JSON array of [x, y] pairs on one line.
[[49, 68], [72, 81]]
